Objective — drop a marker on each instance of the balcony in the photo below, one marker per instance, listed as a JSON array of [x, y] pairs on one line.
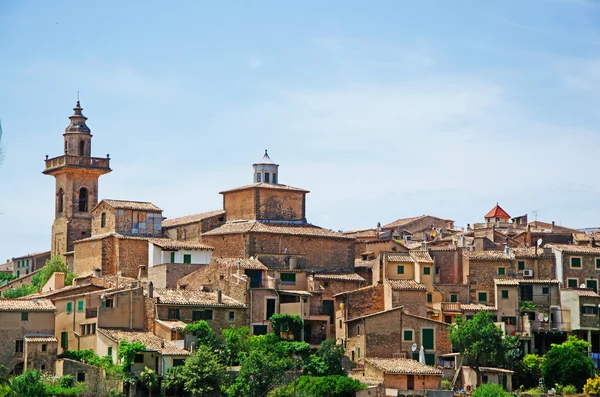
[[549, 326], [77, 161], [291, 308], [451, 307]]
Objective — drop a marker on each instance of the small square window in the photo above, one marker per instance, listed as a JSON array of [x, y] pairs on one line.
[[326, 284], [173, 314], [288, 278], [44, 347], [43, 367], [482, 297], [427, 270], [231, 316], [139, 358], [453, 297], [19, 346], [207, 315], [576, 263], [187, 258], [81, 376], [24, 316], [572, 283], [521, 265], [545, 290], [408, 335], [504, 294], [429, 298], [400, 269], [501, 271]]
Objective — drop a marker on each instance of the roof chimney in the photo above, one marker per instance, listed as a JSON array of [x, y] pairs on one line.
[[219, 295], [552, 229], [593, 241]]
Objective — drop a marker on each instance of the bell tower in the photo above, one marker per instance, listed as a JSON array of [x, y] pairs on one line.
[[76, 191], [266, 171]]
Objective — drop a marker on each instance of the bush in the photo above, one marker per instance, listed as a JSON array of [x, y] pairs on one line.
[[592, 386], [18, 292], [326, 386], [66, 381], [569, 390], [490, 390], [535, 392], [446, 384], [58, 391], [568, 363]]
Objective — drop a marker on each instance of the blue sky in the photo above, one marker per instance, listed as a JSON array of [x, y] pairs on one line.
[[382, 109]]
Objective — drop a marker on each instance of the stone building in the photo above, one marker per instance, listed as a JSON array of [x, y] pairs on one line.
[[582, 306], [27, 335], [403, 375], [191, 227], [76, 192], [136, 218], [23, 265], [577, 265]]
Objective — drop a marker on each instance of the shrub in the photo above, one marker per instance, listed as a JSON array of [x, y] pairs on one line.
[[490, 390], [446, 384], [569, 390], [535, 392], [326, 386], [66, 381], [592, 386]]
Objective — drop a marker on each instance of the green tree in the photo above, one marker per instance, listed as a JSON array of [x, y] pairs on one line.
[[6, 277], [327, 386], [18, 292], [174, 380], [490, 390], [528, 371], [126, 352], [327, 361], [53, 265], [288, 323], [149, 380], [236, 342], [29, 384], [568, 363], [479, 340], [204, 334], [203, 373]]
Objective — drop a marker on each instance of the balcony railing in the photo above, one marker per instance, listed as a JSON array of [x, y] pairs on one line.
[[549, 326], [78, 161], [453, 307]]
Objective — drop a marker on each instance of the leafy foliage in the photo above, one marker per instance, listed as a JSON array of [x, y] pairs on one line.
[[29, 384], [479, 339], [174, 380], [203, 374], [528, 371], [204, 334], [490, 390], [446, 384], [527, 306], [66, 381], [568, 363], [569, 390], [592, 386], [53, 265], [327, 386], [328, 360], [236, 342], [18, 292], [6, 277], [149, 379], [288, 323], [127, 352], [88, 357]]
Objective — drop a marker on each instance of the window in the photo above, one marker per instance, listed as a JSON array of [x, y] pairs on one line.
[[19, 346], [521, 265], [576, 263], [64, 340], [408, 335], [501, 271], [60, 200], [83, 200], [207, 315], [44, 347], [172, 257], [267, 175], [358, 330], [453, 298], [231, 316], [288, 278], [103, 220], [572, 282], [24, 316], [545, 290], [178, 362], [80, 376], [428, 339], [358, 352], [109, 351], [504, 294], [80, 305], [139, 358], [427, 270], [197, 315], [400, 269], [592, 284], [81, 147], [187, 258], [258, 180], [589, 310], [108, 302], [597, 263], [173, 314], [429, 298], [69, 307], [274, 178], [326, 284], [340, 323], [43, 367], [482, 297], [26, 271], [509, 320], [18, 273]]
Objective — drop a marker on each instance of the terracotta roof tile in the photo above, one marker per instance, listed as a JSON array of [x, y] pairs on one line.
[[170, 244], [194, 298], [185, 220], [406, 285], [263, 185], [576, 249], [421, 256], [487, 255], [29, 305], [362, 233], [172, 324], [40, 338], [476, 307], [362, 263], [403, 366], [518, 281], [497, 212], [249, 263], [527, 252], [152, 342], [341, 277], [402, 222], [237, 227], [400, 258], [131, 205], [586, 292]]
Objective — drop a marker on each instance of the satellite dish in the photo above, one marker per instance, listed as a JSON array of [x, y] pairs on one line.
[[582, 286], [414, 347], [539, 242]]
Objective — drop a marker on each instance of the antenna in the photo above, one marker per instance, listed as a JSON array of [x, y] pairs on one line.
[[77, 95], [535, 213]]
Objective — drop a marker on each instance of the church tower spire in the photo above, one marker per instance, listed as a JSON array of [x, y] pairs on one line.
[[266, 171], [76, 191]]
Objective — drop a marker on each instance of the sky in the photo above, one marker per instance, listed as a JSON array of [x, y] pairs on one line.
[[382, 109]]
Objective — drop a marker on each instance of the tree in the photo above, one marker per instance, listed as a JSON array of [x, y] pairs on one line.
[[174, 380], [18, 292], [327, 386], [204, 334], [126, 353], [149, 380], [29, 384], [236, 342], [6, 277], [328, 360], [203, 373], [53, 265], [479, 340], [568, 363], [490, 390], [529, 371], [288, 323]]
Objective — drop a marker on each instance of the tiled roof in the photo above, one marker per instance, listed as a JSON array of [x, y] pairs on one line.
[[494, 369], [69, 289], [111, 234], [421, 256], [548, 226], [362, 233], [362, 263], [194, 298], [263, 185], [406, 285], [131, 205], [185, 220], [253, 226], [476, 307], [586, 292], [40, 338], [402, 222], [172, 324], [341, 277], [170, 244], [517, 281], [31, 255], [497, 212], [487, 255], [249, 263], [403, 366], [23, 305], [527, 252], [400, 258], [576, 249], [152, 342]]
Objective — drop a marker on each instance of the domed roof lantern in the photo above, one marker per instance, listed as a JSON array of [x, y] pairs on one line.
[[266, 171], [77, 124]]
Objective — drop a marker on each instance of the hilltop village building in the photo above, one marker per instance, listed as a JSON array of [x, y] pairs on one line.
[[387, 294]]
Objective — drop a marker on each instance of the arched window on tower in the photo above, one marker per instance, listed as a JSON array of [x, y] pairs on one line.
[[83, 200], [81, 147], [59, 200], [103, 220], [66, 146]]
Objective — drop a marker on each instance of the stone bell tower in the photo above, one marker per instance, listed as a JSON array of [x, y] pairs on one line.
[[76, 174]]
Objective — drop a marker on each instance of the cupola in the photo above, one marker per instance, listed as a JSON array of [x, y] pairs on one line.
[[266, 171]]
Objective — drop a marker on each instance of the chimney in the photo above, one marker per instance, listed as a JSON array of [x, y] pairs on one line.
[[141, 271], [552, 229], [468, 226], [219, 295], [97, 272], [378, 229], [593, 241], [150, 290]]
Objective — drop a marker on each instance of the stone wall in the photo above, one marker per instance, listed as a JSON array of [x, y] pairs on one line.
[[167, 275], [287, 205], [481, 277], [383, 334], [442, 343], [449, 263], [239, 205], [219, 321], [364, 301], [413, 301], [462, 290]]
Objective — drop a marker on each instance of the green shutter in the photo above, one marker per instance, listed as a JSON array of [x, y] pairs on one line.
[[428, 340], [358, 351], [501, 271], [187, 258], [408, 335], [64, 340], [400, 269], [592, 284], [103, 303], [69, 307], [172, 257], [545, 290], [429, 298], [80, 306], [110, 351], [427, 270], [576, 262], [597, 263], [24, 316], [521, 265], [453, 298], [504, 294], [572, 283], [288, 278], [482, 297]]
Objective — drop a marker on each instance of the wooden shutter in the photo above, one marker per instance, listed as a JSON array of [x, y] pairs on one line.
[[428, 338]]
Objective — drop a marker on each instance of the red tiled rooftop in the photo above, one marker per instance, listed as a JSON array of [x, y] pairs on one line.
[[497, 212]]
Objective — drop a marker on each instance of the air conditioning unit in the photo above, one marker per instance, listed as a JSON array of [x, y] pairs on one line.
[[527, 273]]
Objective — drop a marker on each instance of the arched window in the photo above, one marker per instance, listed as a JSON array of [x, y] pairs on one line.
[[103, 220], [83, 200], [66, 146], [60, 200], [81, 147]]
